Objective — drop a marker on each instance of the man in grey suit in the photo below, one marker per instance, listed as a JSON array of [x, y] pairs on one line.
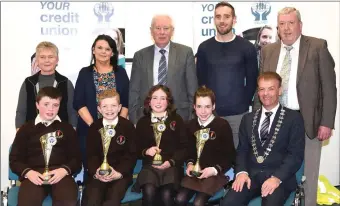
[[309, 86], [166, 63]]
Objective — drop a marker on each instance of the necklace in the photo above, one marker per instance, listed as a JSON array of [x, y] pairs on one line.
[[260, 159]]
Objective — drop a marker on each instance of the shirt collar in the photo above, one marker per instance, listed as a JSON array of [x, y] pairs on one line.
[[114, 122], [166, 48], [232, 39], [274, 110], [295, 46], [210, 119], [155, 119], [44, 122]]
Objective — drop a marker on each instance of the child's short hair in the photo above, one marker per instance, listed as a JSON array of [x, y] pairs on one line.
[[109, 93], [51, 92], [204, 91]]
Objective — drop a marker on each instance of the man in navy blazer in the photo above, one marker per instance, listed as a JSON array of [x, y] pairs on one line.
[[271, 149]]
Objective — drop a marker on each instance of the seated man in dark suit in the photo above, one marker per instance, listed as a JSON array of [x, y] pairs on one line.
[[271, 149]]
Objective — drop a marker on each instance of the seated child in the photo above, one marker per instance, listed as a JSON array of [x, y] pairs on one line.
[[45, 153], [111, 154]]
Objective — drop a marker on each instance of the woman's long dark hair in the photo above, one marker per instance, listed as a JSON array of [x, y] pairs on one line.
[[113, 46]]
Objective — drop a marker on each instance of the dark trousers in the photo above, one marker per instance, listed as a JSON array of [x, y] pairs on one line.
[[64, 193], [99, 193], [242, 198]]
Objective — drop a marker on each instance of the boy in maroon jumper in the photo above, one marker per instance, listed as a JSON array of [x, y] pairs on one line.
[[108, 181], [46, 139]]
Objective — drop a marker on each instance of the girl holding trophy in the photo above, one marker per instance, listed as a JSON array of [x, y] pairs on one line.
[[210, 151], [161, 144], [111, 153]]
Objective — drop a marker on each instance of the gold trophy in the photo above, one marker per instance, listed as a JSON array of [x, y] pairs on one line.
[[158, 129], [47, 142], [201, 137], [106, 134]]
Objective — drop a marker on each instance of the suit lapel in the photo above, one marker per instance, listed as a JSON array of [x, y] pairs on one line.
[[171, 64], [275, 56], [303, 51], [149, 64]]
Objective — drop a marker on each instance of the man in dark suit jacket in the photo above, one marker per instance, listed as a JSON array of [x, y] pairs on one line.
[[311, 88], [174, 68], [271, 149]]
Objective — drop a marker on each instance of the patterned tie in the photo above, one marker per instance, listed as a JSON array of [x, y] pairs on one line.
[[162, 68], [285, 73], [264, 132]]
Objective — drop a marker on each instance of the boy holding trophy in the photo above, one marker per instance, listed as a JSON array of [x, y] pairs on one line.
[[111, 154], [211, 152], [45, 153], [161, 144]]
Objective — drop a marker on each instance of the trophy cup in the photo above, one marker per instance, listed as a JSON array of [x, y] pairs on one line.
[[106, 134], [201, 137], [158, 129], [47, 142]]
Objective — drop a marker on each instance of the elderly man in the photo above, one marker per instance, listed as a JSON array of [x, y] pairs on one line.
[[309, 86], [165, 63]]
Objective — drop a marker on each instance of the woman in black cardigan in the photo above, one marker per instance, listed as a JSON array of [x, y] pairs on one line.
[[102, 74], [159, 179]]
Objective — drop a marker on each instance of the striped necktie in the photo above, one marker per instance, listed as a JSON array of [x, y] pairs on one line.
[[264, 132], [285, 73], [162, 68]]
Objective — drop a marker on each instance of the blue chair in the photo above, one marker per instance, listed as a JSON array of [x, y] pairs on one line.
[[13, 190], [129, 195], [218, 195], [295, 198]]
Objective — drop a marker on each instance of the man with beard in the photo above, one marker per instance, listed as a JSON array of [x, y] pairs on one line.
[[228, 65]]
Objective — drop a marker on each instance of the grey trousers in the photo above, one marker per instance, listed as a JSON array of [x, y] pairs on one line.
[[234, 122], [312, 165]]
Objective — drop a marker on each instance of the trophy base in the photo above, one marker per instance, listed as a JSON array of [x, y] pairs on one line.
[[105, 172], [196, 174], [46, 179], [157, 162]]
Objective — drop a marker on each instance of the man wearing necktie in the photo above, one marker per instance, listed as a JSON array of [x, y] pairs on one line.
[[271, 149], [166, 63], [309, 86]]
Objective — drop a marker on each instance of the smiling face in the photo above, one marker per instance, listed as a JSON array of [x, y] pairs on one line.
[[266, 37], [289, 28], [162, 30], [269, 92], [47, 60], [158, 102], [102, 51], [48, 108], [204, 108], [109, 108], [224, 20]]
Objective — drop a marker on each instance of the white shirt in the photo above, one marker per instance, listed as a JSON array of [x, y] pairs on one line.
[[48, 123], [157, 58], [154, 119], [294, 53], [263, 117], [209, 120], [114, 122]]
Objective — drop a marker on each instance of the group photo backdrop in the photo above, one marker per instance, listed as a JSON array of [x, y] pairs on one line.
[[73, 26]]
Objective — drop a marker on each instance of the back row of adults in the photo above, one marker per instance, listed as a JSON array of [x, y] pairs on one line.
[[225, 63]]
